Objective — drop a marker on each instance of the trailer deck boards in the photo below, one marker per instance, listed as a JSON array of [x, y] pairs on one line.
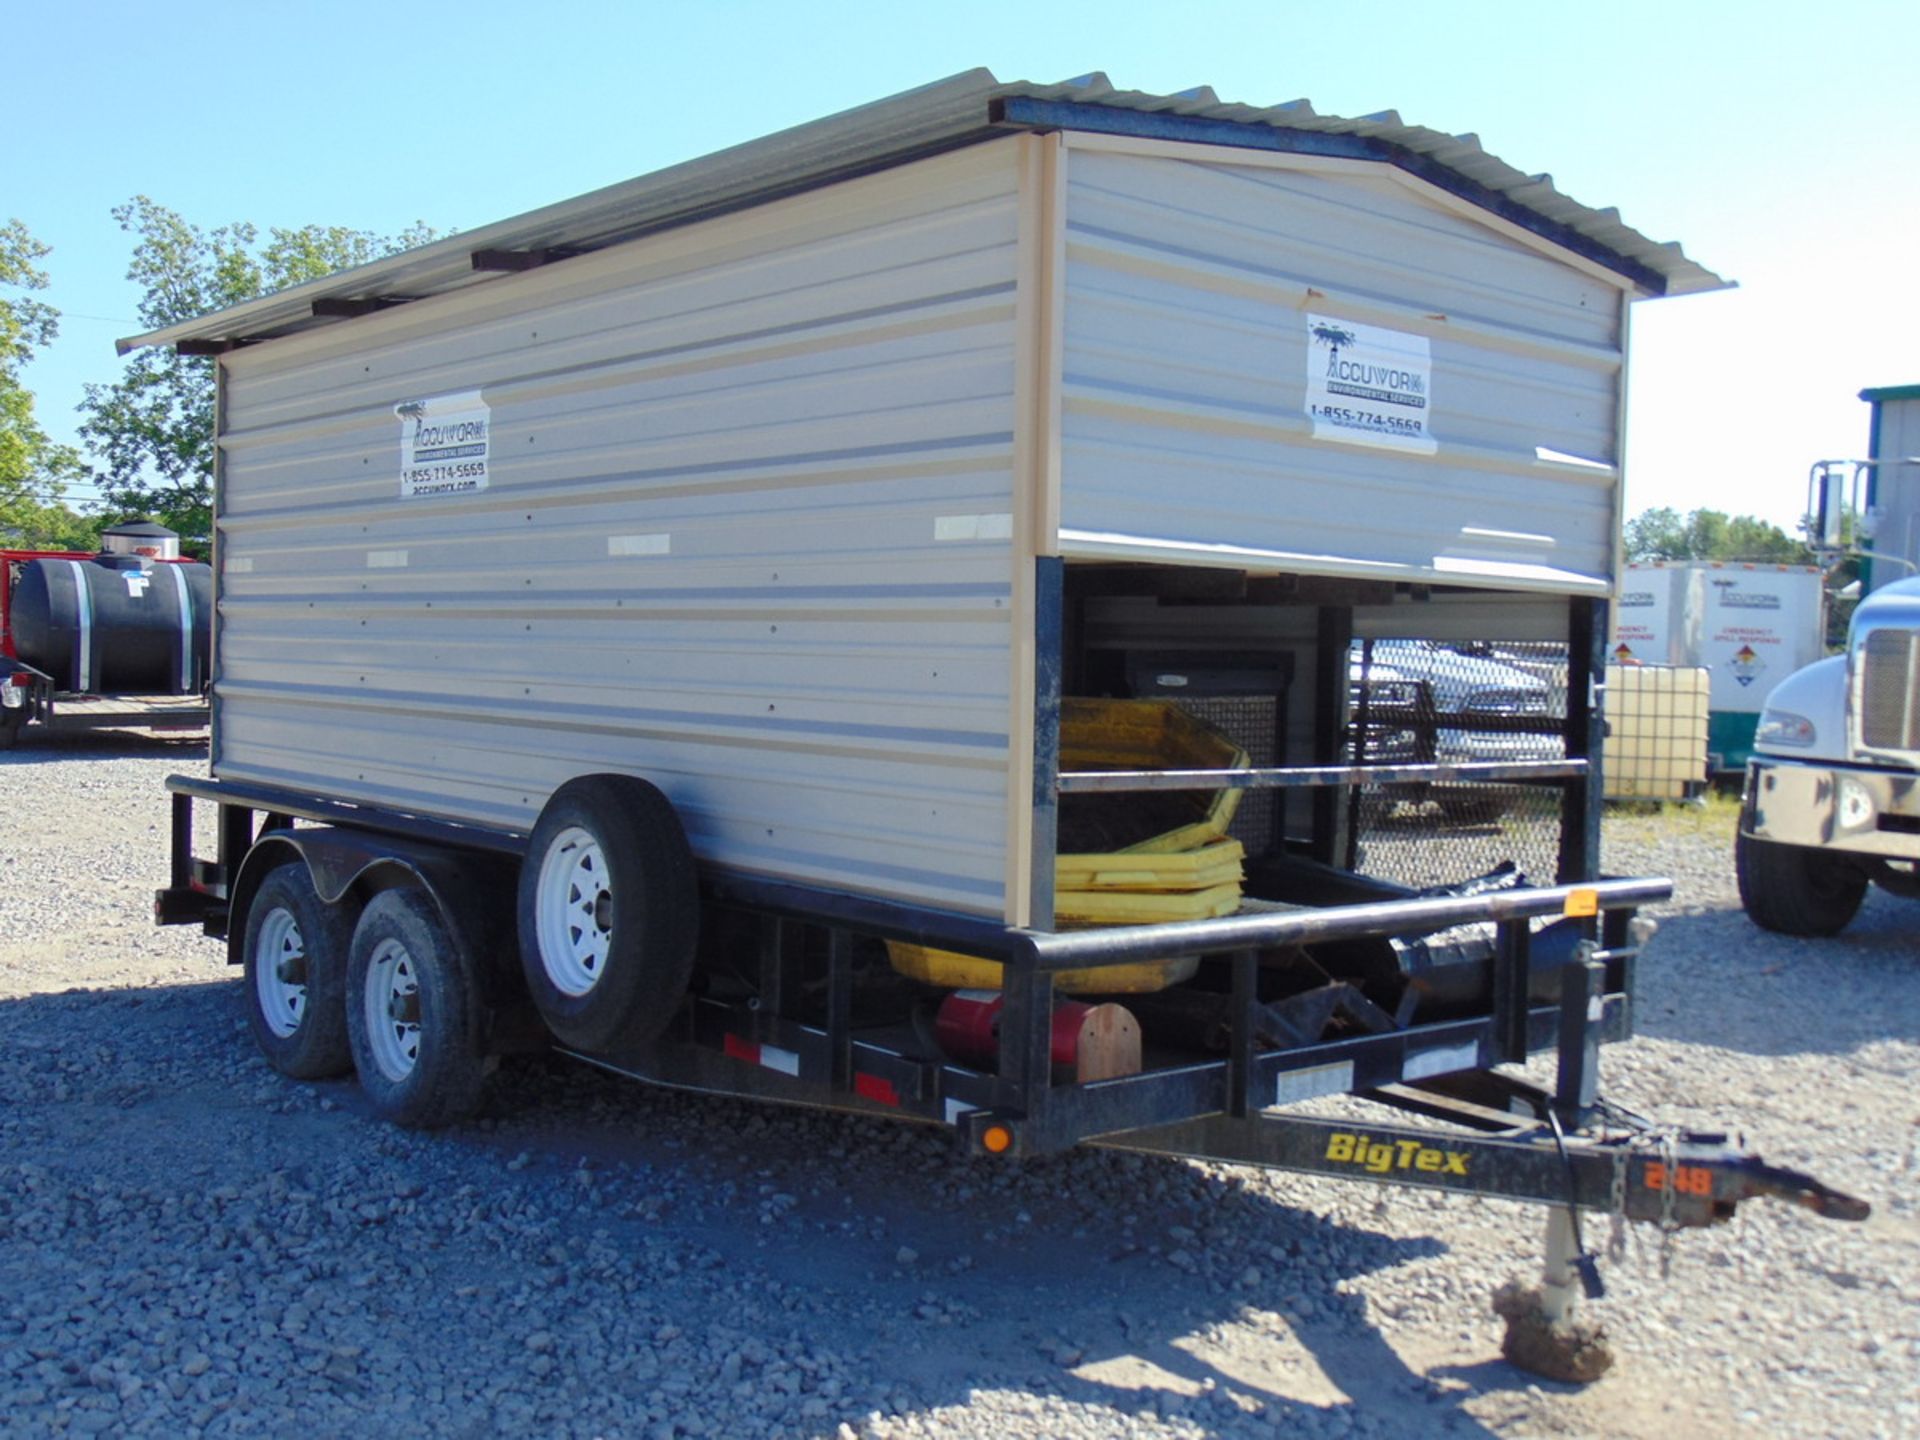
[[158, 712]]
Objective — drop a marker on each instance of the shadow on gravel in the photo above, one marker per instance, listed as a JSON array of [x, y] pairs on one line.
[[39, 747], [1714, 978], [1155, 1287]]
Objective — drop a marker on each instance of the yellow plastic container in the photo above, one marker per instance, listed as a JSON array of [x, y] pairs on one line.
[[969, 972], [1078, 909], [1149, 872], [1143, 735], [1163, 859]]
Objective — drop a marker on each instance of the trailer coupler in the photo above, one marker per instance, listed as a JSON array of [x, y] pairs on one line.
[[1675, 1180]]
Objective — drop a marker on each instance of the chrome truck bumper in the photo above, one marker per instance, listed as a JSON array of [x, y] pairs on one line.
[[1833, 807]]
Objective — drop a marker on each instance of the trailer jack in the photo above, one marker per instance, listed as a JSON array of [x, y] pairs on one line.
[[1674, 1180]]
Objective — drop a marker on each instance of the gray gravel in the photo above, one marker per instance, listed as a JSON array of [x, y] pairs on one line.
[[190, 1244]]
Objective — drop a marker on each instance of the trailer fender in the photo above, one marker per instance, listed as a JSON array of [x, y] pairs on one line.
[[472, 891]]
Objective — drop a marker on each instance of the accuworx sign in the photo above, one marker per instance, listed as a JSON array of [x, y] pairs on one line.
[[1369, 386], [444, 441]]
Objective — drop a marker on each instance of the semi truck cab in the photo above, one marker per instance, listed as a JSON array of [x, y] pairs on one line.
[[1833, 789]]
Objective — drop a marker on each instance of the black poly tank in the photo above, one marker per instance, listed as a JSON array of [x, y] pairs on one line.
[[116, 624]]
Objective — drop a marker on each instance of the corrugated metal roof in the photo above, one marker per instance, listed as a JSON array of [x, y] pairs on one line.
[[961, 110]]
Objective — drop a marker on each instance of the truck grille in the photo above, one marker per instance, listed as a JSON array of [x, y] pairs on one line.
[[1889, 706]]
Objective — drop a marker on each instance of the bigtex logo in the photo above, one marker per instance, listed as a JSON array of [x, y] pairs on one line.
[[1383, 1156]]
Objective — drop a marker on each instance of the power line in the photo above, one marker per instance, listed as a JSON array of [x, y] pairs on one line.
[[48, 497]]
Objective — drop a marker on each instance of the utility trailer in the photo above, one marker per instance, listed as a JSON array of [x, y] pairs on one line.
[[657, 626], [104, 641]]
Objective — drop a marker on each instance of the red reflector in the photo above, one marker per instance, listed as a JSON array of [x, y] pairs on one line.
[[741, 1048], [20, 678], [875, 1087]]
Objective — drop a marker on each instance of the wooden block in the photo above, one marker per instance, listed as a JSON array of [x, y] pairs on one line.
[[1109, 1044]]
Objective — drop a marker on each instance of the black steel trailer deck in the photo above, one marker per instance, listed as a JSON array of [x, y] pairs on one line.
[[1564, 1147]]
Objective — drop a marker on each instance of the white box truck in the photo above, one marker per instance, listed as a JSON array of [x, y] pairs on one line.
[[1748, 625], [654, 623]]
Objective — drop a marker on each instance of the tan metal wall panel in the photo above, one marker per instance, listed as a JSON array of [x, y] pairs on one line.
[[733, 473], [1189, 283]]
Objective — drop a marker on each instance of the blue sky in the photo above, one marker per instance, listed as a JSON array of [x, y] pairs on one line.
[[1780, 144]]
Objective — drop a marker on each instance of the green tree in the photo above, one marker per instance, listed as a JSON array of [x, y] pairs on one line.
[[35, 471], [1664, 534], [150, 433]]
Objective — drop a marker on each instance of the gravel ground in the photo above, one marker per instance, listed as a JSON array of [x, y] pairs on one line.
[[190, 1244]]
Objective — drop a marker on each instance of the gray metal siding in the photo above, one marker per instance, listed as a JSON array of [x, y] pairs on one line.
[[1897, 490], [1186, 349], [794, 396]]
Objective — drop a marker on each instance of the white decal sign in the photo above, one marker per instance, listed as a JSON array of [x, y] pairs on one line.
[[1369, 386], [443, 445], [1643, 617]]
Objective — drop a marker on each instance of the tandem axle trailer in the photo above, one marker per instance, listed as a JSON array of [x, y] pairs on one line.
[[795, 1034], [926, 615]]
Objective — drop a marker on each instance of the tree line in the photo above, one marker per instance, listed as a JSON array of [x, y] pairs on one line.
[[146, 448]]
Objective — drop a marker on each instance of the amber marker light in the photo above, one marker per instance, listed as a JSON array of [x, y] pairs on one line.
[[997, 1139], [1582, 903]]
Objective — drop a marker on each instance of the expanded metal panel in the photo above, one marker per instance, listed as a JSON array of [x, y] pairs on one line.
[[1418, 701], [1186, 380], [1253, 722], [744, 533]]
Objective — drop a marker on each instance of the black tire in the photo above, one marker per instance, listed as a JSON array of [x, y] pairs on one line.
[[642, 920], [424, 1067], [1792, 890], [294, 958]]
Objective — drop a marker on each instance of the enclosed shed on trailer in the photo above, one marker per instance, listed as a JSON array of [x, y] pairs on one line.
[[805, 479], [869, 506]]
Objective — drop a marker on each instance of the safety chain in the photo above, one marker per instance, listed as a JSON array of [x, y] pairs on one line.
[[1617, 1196], [1670, 1158], [1617, 1204]]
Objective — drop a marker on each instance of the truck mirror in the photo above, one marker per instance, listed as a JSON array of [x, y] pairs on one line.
[[1830, 507]]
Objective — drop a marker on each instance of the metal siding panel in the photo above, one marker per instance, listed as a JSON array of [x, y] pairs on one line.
[[1186, 378], [818, 683], [1897, 487]]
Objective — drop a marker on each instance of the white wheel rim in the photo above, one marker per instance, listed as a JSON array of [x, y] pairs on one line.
[[279, 956], [392, 1005], [574, 911]]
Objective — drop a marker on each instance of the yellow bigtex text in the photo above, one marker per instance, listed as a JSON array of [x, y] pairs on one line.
[[1382, 1156]]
